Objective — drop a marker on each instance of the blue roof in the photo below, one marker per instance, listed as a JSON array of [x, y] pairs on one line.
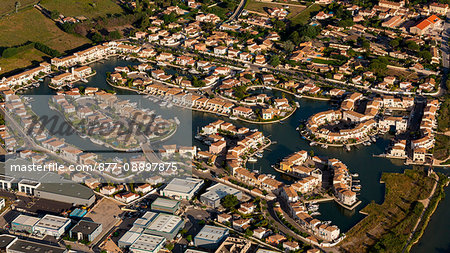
[[80, 213]]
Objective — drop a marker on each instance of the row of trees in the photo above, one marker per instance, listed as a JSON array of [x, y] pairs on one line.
[[13, 51]]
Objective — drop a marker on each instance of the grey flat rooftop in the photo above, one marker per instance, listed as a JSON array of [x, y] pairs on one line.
[[211, 233], [6, 178], [85, 227], [266, 251], [5, 240], [129, 237], [29, 246], [219, 191], [149, 215], [183, 185], [167, 203], [26, 220], [147, 242], [194, 251], [165, 223], [52, 222], [50, 182], [29, 182], [67, 188]]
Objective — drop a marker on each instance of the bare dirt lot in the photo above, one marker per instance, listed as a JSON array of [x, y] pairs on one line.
[[106, 213]]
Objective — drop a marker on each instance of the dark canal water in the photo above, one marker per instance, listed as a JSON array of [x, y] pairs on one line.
[[288, 140]]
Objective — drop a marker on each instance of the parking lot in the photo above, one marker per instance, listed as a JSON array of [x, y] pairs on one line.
[[35, 205], [107, 213]]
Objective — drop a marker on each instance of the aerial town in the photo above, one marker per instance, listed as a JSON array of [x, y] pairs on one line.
[[224, 126]]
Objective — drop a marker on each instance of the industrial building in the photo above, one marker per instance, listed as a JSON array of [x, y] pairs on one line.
[[151, 223], [66, 192], [182, 189], [148, 244], [165, 225], [12, 244], [165, 205], [47, 185], [86, 230], [6, 182], [215, 193], [210, 237], [24, 223], [194, 251], [52, 225]]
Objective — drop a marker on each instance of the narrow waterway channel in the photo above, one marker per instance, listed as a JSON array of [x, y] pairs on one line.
[[287, 140]]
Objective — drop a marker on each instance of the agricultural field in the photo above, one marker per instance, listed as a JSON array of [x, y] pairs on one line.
[[31, 25], [261, 7], [304, 16], [21, 60], [9, 6], [87, 8]]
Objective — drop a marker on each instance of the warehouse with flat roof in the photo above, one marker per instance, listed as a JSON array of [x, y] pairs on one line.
[[210, 237], [52, 225], [165, 225], [182, 189], [165, 205], [151, 223], [12, 244], [128, 238], [148, 244], [67, 192], [24, 223], [215, 193], [46, 185], [86, 230]]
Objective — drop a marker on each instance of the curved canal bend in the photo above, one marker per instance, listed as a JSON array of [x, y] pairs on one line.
[[287, 139]]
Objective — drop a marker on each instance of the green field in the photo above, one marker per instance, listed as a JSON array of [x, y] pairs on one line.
[[305, 16], [21, 60], [31, 25], [87, 8], [9, 6]]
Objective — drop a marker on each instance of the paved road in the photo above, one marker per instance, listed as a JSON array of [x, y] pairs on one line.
[[445, 51], [425, 203], [444, 47], [238, 11]]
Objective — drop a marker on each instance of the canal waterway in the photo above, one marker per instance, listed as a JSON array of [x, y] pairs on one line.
[[286, 141]]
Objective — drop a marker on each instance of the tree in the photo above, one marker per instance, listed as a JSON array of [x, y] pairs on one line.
[[275, 60], [295, 37], [278, 24], [411, 45], [288, 46], [189, 238], [54, 14], [345, 22], [97, 38], [394, 43], [115, 35], [426, 55], [145, 22], [229, 201]]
